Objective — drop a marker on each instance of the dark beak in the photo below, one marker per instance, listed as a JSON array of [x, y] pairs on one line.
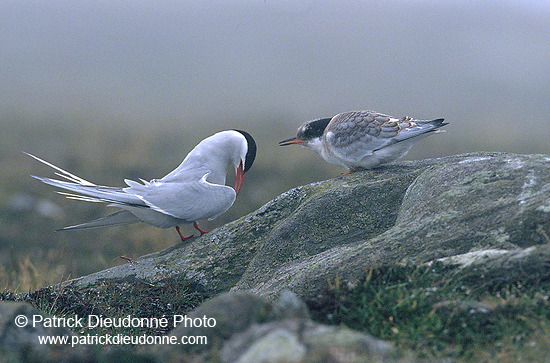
[[239, 178], [292, 140]]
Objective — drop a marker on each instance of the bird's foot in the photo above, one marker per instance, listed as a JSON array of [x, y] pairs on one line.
[[127, 259], [202, 232], [349, 172], [183, 238]]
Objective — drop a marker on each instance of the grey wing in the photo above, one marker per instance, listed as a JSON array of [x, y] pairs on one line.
[[360, 131], [190, 200]]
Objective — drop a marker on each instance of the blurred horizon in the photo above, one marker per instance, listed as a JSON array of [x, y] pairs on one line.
[[165, 64], [125, 89]]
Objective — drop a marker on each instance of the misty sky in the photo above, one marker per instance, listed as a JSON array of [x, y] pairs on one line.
[[483, 65]]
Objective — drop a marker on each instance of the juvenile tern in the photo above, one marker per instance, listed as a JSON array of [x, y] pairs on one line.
[[362, 139], [194, 191]]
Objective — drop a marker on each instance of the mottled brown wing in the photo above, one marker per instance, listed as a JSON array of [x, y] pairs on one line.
[[366, 127]]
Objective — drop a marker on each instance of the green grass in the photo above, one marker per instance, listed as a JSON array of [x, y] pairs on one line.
[[437, 314]]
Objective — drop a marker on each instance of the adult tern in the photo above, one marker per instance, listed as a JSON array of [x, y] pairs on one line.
[[194, 191]]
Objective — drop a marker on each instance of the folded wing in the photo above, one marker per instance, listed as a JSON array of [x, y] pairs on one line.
[[187, 200]]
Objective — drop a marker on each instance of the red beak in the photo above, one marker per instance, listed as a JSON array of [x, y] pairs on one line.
[[239, 178], [292, 140]]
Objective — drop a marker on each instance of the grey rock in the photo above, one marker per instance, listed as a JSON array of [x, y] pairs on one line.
[[20, 343], [277, 346], [482, 268], [301, 340], [412, 211], [289, 306], [454, 206], [250, 329], [233, 313], [337, 344]]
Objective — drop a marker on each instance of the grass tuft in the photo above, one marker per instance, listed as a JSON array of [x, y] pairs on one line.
[[434, 312]]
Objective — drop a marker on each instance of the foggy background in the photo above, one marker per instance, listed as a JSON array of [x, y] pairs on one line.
[[483, 65], [124, 89]]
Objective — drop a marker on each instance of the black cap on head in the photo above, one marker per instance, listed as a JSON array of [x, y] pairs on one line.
[[251, 153], [313, 129]]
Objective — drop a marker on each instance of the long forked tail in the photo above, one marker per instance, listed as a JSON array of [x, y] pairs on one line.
[[437, 123], [421, 128], [115, 219], [63, 173], [88, 191]]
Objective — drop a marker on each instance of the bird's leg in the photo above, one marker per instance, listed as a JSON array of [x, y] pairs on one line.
[[349, 172], [128, 259], [181, 235], [196, 225]]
